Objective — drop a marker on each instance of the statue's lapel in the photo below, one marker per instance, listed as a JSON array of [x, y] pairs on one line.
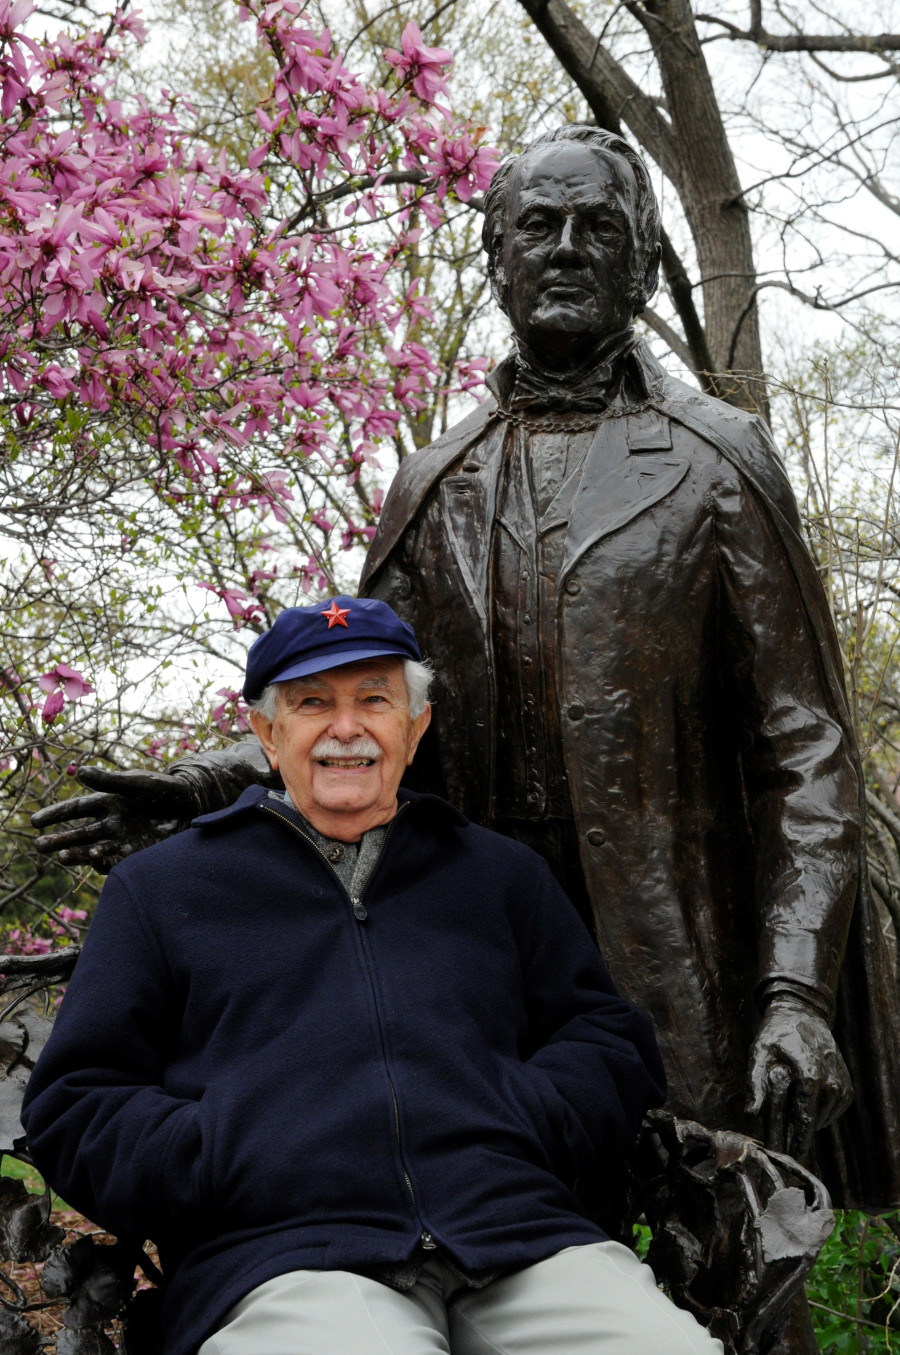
[[621, 479], [469, 503]]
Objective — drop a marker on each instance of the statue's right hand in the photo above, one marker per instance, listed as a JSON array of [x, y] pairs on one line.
[[127, 811]]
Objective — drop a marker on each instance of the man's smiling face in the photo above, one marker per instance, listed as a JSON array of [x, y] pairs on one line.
[[341, 740], [568, 251]]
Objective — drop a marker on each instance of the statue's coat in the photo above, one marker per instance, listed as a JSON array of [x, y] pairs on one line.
[[710, 755]]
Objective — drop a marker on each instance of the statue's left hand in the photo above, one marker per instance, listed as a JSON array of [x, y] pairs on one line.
[[798, 1079]]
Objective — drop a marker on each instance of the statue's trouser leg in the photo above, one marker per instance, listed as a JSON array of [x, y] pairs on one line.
[[592, 1300]]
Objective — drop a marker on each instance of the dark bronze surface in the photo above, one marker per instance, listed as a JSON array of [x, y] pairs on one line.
[[736, 1229]]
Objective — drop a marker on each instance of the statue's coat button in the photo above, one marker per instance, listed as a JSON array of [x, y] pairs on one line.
[[596, 837], [576, 710], [573, 586]]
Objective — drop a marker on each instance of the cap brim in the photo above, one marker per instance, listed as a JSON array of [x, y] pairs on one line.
[[338, 658]]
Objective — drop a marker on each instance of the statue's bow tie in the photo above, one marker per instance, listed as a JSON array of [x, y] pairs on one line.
[[586, 389]]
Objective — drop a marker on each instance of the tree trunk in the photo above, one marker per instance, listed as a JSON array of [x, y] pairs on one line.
[[710, 193]]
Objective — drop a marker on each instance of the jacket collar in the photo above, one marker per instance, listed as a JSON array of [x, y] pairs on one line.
[[254, 795]]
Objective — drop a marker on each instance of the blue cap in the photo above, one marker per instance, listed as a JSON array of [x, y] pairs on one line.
[[311, 639]]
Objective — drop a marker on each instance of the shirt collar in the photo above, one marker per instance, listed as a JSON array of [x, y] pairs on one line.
[[514, 382], [527, 385]]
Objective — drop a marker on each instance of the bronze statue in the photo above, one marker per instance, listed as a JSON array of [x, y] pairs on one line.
[[639, 677], [645, 678]]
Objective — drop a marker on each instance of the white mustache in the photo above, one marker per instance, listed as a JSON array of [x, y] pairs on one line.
[[332, 749]]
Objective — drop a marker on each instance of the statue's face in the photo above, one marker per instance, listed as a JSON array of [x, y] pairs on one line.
[[568, 253]]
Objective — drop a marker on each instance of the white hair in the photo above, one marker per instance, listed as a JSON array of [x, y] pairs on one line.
[[418, 678]]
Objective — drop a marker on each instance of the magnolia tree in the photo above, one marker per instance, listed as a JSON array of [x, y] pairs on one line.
[[201, 358]]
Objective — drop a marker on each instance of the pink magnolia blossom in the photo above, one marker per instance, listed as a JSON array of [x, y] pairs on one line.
[[147, 281], [423, 66], [61, 926], [66, 914], [187, 743], [61, 684], [230, 715], [312, 574], [73, 685], [22, 941], [52, 707], [239, 609]]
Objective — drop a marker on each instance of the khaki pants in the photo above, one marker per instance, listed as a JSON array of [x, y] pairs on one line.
[[592, 1300]]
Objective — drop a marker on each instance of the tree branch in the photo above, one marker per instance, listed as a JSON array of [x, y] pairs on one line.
[[668, 335], [888, 818], [53, 967], [681, 291], [346, 190], [805, 42]]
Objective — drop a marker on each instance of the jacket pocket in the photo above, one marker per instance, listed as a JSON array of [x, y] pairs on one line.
[[273, 1152], [179, 1167], [534, 1101], [207, 1111], [235, 1145]]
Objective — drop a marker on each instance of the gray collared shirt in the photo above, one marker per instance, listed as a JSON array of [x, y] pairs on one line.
[[352, 862]]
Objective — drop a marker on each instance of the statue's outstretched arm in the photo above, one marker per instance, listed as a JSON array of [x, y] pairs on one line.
[[132, 809]]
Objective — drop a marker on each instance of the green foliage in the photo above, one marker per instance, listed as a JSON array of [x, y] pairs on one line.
[[854, 1289], [20, 1171], [642, 1239]]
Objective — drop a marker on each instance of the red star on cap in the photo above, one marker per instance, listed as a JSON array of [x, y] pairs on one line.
[[335, 615]]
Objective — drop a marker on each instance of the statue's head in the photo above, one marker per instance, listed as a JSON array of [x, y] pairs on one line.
[[572, 233]]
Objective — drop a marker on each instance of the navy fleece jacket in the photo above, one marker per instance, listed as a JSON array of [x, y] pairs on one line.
[[262, 1079]]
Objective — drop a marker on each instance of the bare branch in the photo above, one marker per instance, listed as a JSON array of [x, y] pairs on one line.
[[53, 967], [805, 42], [667, 334], [681, 291], [888, 818]]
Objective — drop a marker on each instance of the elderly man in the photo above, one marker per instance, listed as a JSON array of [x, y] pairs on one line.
[[350, 1060]]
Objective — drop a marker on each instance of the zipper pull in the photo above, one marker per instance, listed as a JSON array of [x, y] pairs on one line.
[[359, 910], [428, 1242]]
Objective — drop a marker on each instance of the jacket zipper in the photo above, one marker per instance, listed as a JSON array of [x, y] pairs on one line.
[[360, 912]]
